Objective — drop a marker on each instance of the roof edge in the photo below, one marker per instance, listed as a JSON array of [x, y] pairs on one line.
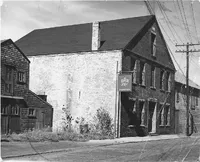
[[39, 98], [17, 48]]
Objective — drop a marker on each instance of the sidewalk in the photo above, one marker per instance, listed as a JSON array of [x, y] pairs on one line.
[[17, 149]]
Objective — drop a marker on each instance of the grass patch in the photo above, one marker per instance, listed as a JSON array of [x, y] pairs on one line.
[[43, 135]]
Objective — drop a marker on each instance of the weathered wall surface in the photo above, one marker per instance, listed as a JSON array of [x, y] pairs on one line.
[[180, 104], [11, 56], [81, 82]]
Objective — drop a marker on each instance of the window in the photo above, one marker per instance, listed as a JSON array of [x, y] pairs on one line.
[[15, 110], [167, 115], [177, 97], [153, 42], [162, 115], [153, 75], [168, 84], [21, 77], [193, 102], [162, 75], [142, 73], [142, 112], [3, 110], [9, 80], [197, 101], [134, 69], [134, 107], [31, 112]]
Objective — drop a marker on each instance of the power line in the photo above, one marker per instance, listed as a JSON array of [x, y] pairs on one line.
[[182, 17], [178, 15], [167, 20], [191, 4], [150, 10], [186, 20]]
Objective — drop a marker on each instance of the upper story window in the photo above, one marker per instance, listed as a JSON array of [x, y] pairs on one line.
[[162, 78], [168, 84], [153, 42], [134, 69], [9, 79], [142, 73], [21, 77], [153, 77]]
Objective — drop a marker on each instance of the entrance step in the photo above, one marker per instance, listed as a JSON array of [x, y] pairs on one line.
[[153, 134]]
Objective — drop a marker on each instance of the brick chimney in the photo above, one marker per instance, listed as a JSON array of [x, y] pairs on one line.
[[95, 36], [44, 97]]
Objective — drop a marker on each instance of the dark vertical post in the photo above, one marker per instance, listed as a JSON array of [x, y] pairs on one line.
[[187, 87]]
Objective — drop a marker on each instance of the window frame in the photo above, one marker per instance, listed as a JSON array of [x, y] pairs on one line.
[[142, 79], [162, 79], [9, 79], [153, 42], [32, 114], [162, 115], [153, 77], [21, 77], [168, 81], [142, 113], [134, 69]]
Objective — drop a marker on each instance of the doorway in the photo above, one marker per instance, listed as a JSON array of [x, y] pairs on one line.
[[152, 117]]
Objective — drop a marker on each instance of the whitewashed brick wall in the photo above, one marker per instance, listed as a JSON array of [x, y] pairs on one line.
[[86, 81]]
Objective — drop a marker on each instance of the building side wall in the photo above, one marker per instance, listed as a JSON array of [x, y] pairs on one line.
[[162, 61], [180, 104], [81, 82], [11, 56]]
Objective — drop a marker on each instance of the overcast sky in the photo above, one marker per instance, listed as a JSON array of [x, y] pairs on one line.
[[18, 18]]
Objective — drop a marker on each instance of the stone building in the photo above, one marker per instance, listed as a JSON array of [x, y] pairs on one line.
[[180, 103], [77, 66], [20, 108]]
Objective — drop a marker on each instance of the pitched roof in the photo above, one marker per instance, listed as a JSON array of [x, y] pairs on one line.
[[180, 78], [11, 42], [34, 100], [115, 34]]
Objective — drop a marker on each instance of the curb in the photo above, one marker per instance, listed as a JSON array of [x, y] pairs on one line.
[[100, 144]]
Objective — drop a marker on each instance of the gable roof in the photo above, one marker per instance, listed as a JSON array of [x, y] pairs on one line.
[[114, 34], [10, 40], [180, 78], [34, 100]]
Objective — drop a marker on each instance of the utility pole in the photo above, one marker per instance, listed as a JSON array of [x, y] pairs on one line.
[[187, 80]]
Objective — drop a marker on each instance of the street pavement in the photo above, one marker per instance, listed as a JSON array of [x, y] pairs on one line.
[[124, 149]]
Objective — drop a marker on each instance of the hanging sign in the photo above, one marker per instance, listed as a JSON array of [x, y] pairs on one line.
[[125, 82]]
